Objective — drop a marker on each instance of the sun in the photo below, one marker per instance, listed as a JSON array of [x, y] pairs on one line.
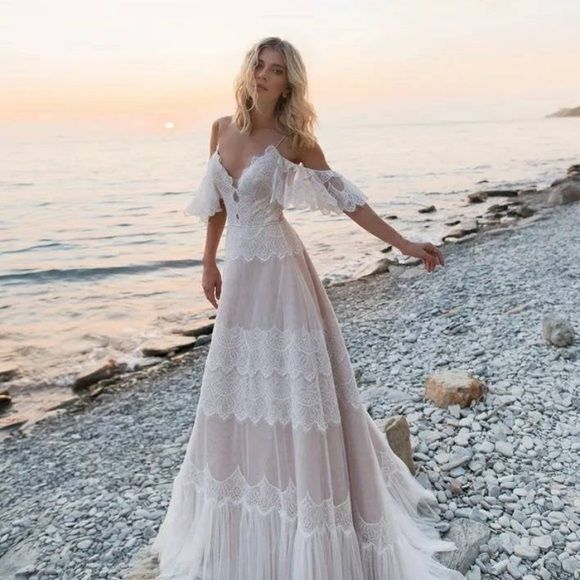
[[169, 124]]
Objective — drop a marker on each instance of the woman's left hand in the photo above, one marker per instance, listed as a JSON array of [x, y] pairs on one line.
[[426, 251]]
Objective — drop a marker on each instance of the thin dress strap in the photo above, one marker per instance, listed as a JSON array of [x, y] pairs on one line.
[[277, 145]]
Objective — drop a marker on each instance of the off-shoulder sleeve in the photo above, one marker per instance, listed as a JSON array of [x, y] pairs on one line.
[[325, 190], [205, 200]]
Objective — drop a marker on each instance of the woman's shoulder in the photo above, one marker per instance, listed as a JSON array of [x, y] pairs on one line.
[[311, 156], [221, 122]]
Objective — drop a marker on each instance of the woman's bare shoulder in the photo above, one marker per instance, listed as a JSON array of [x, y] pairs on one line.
[[311, 156]]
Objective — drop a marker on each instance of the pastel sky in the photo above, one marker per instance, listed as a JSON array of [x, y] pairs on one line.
[[157, 60]]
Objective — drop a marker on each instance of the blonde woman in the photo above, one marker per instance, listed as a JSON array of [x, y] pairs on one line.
[[285, 476]]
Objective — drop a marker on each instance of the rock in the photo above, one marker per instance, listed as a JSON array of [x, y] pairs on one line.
[[428, 209], [206, 328], [7, 372], [523, 211], [502, 192], [461, 240], [454, 387], [457, 460], [202, 339], [396, 429], [567, 191], [477, 197], [543, 542], [110, 368], [469, 227], [468, 536], [381, 266], [527, 552], [498, 207], [166, 346], [557, 330], [5, 401], [19, 561], [504, 448]]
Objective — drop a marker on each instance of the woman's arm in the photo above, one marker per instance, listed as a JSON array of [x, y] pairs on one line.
[[369, 220], [211, 278]]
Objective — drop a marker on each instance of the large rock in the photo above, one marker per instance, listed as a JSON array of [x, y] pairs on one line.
[[468, 535], [396, 429], [454, 388], [557, 330], [567, 191]]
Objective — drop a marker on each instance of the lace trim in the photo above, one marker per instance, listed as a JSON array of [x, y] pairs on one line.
[[278, 376], [265, 498], [326, 190], [286, 400], [270, 240], [294, 352], [205, 200]]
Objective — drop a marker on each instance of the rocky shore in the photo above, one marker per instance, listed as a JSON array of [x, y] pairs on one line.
[[83, 492]]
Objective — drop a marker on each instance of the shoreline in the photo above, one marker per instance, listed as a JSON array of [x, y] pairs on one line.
[[513, 206], [108, 461]]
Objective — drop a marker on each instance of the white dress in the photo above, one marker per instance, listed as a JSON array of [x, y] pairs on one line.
[[286, 476]]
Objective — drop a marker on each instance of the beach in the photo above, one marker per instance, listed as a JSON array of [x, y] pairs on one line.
[[84, 491], [98, 263]]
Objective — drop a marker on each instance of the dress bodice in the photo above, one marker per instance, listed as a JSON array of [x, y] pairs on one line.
[[248, 199], [269, 184], [254, 203]]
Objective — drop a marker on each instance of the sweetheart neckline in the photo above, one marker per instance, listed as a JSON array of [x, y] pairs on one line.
[[235, 182]]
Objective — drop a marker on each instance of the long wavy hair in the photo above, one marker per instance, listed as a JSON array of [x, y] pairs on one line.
[[295, 114]]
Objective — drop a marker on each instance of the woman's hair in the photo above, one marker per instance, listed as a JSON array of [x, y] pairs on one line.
[[295, 114]]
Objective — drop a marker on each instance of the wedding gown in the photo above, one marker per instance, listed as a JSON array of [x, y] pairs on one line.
[[286, 476]]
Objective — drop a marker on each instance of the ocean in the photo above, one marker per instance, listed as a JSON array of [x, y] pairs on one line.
[[96, 256]]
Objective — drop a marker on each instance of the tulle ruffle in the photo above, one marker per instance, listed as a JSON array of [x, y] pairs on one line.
[[212, 533]]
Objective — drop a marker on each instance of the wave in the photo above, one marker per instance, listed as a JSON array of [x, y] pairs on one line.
[[84, 274]]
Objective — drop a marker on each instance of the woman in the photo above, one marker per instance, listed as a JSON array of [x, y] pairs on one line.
[[285, 476]]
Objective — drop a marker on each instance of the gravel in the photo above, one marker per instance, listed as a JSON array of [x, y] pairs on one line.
[[83, 492]]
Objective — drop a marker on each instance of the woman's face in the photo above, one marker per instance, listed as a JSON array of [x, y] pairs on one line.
[[270, 74]]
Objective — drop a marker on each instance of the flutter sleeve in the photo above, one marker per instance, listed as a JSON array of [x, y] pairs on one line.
[[325, 190], [205, 200]]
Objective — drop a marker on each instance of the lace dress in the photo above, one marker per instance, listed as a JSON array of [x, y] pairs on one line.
[[286, 476]]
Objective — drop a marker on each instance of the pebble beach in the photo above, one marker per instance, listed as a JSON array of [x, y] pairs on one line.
[[83, 492]]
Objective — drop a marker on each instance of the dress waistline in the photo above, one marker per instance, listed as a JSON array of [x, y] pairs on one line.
[[259, 224]]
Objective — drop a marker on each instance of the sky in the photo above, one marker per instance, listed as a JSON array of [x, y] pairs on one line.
[[154, 61]]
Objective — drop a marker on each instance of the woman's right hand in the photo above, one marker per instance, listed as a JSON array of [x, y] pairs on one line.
[[211, 282]]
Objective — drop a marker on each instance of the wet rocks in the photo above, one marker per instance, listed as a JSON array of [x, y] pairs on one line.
[[5, 400], [104, 371], [427, 209], [166, 346]]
